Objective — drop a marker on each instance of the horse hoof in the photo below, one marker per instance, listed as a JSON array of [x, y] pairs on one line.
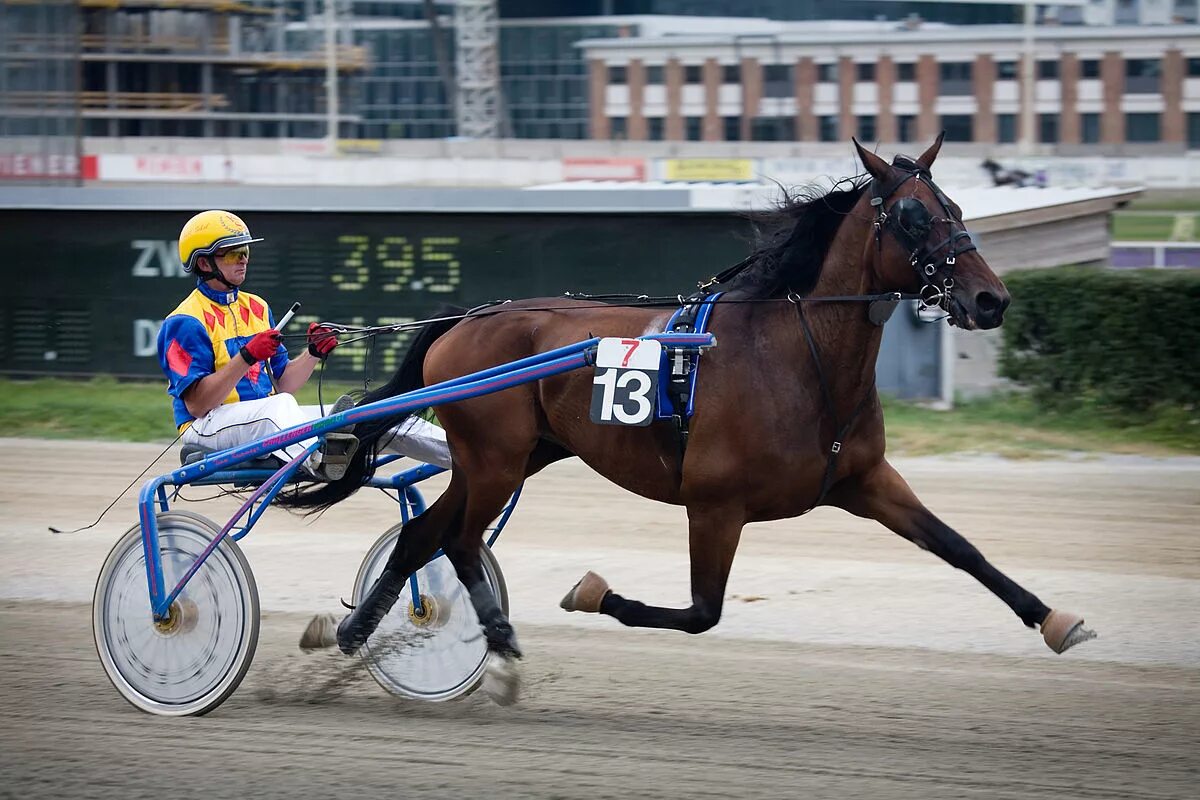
[[587, 594], [320, 633], [1063, 630], [501, 681]]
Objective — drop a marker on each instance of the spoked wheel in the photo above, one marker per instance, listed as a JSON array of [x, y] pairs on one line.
[[189, 663], [433, 649]]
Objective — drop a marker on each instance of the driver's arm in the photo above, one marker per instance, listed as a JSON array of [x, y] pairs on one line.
[[210, 391], [298, 371]]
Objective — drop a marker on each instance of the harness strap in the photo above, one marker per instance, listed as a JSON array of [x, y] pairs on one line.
[[840, 431]]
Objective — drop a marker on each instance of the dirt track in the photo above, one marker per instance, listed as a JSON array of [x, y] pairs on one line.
[[849, 664]]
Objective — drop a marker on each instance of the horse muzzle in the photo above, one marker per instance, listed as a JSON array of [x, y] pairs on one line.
[[983, 311]]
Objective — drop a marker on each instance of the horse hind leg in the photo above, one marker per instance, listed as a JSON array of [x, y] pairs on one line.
[[418, 542], [713, 535]]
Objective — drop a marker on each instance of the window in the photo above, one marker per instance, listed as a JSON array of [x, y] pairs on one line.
[[955, 78], [693, 128], [1006, 70], [828, 128], [616, 75], [654, 129], [1089, 68], [733, 128], [692, 74], [906, 71], [616, 128], [778, 81], [1006, 128], [654, 74], [827, 73], [1142, 75], [958, 127], [1048, 128], [1193, 67], [866, 127], [773, 129], [731, 73], [1047, 70], [906, 127], [864, 73], [1193, 131], [954, 71], [1089, 128], [1143, 128]]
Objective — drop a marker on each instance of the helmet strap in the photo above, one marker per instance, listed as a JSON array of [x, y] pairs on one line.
[[214, 275]]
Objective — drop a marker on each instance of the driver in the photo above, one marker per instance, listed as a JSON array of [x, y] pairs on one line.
[[229, 377]]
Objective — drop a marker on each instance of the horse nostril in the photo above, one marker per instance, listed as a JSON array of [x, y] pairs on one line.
[[987, 303]]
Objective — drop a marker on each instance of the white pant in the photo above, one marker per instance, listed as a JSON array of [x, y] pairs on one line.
[[232, 424]]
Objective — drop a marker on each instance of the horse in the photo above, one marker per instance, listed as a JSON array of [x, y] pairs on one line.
[[1008, 177], [787, 414]]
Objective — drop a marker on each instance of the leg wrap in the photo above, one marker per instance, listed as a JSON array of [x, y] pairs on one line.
[[355, 629]]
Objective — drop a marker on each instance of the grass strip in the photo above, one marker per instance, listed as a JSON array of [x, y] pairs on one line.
[[1009, 425]]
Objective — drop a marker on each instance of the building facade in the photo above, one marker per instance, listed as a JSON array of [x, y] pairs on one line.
[[1094, 89]]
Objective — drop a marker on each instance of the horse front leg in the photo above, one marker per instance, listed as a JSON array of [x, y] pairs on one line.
[[883, 495], [713, 534]]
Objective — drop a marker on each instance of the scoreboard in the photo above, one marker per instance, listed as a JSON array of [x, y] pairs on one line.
[[87, 290]]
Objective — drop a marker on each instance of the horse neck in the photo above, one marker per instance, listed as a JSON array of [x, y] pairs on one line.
[[846, 340]]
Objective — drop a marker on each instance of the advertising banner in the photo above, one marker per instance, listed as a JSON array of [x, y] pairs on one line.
[[37, 166], [708, 169], [604, 169]]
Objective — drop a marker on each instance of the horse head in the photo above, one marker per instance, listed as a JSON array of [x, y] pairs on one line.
[[921, 245]]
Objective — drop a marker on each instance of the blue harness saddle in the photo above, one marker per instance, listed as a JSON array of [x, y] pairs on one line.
[[678, 369]]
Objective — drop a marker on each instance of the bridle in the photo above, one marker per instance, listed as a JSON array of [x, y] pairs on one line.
[[909, 222]]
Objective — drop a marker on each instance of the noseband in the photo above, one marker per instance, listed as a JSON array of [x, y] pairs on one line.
[[909, 222]]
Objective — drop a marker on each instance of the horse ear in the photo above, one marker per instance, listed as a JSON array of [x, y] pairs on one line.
[[926, 159], [874, 164]]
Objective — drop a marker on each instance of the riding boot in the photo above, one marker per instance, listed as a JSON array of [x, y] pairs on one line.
[[357, 627]]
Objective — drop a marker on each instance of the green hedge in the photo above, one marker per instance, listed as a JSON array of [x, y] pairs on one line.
[[1127, 341]]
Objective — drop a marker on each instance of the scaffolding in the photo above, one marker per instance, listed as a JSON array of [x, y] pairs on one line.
[[477, 95], [160, 67], [40, 136]]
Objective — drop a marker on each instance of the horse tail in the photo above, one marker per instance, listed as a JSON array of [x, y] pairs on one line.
[[371, 434]]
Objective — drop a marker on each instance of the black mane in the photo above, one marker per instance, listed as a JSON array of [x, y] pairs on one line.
[[791, 241]]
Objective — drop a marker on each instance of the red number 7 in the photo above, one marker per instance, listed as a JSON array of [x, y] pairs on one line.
[[633, 345]]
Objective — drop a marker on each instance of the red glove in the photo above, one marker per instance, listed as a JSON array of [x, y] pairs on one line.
[[261, 346], [321, 340]]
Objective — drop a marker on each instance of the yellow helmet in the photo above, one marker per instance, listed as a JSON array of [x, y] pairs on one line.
[[208, 232]]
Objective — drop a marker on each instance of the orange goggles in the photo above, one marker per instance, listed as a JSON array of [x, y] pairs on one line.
[[234, 254]]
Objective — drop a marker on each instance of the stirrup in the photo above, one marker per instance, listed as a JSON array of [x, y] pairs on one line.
[[336, 452]]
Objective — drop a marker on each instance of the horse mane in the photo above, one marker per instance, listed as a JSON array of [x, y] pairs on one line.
[[792, 239]]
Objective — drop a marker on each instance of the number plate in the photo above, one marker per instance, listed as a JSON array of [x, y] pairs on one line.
[[626, 381]]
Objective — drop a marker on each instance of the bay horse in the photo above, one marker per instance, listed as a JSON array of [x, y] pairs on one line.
[[787, 414]]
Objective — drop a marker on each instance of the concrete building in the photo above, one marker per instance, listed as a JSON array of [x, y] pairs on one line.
[[1098, 89]]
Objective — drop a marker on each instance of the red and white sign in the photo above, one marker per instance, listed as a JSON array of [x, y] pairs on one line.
[[120, 167], [35, 165], [604, 169]]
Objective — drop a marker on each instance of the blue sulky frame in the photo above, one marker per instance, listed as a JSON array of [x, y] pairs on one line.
[[217, 467]]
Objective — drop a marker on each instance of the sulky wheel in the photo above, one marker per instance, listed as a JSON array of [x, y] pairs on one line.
[[189, 663], [434, 649]]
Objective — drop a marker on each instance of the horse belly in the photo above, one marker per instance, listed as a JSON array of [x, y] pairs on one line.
[[643, 460]]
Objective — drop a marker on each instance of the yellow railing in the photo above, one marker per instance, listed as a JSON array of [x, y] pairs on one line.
[[127, 101]]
